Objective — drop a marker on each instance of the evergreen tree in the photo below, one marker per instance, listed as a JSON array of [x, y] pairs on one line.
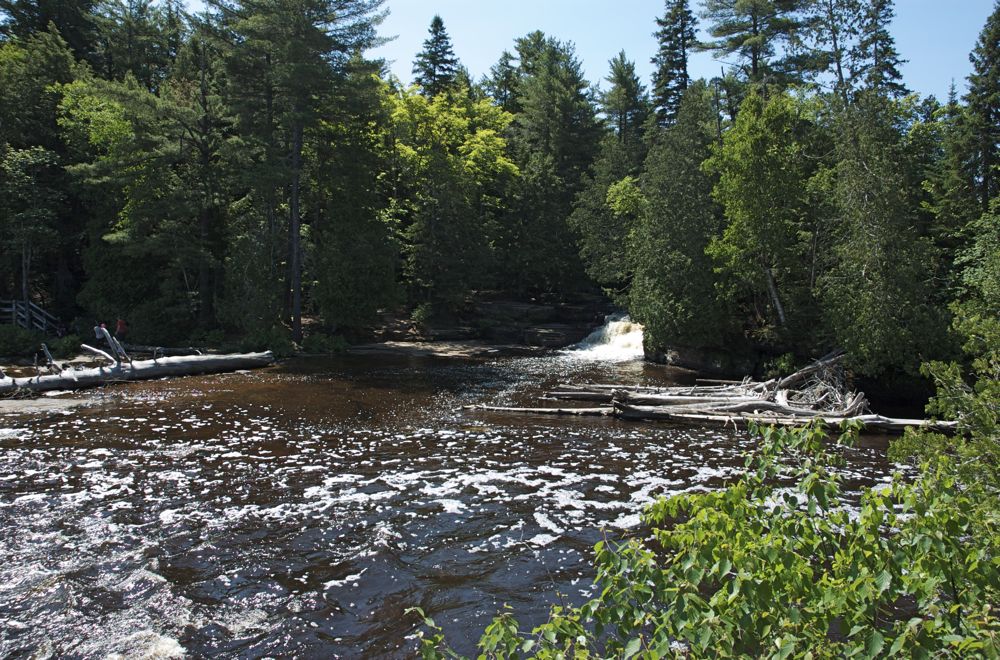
[[983, 101], [501, 82], [625, 104], [285, 58], [31, 194], [755, 32], [673, 292], [875, 62], [832, 26], [602, 232], [72, 18], [135, 37], [554, 139], [436, 65], [354, 255], [676, 37], [876, 294]]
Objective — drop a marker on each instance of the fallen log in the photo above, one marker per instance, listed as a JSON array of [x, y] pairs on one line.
[[161, 350], [653, 399], [742, 419], [137, 370], [603, 411]]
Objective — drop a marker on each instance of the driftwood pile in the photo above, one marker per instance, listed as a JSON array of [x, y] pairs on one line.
[[817, 392]]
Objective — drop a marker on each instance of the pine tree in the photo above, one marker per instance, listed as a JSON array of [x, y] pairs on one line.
[[832, 26], [983, 101], [676, 37], [285, 58], [554, 139], [436, 65], [755, 31], [875, 61], [501, 82], [23, 18], [625, 104]]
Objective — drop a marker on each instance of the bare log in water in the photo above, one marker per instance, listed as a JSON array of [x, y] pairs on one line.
[[867, 422], [816, 392], [161, 350], [137, 370], [603, 411]]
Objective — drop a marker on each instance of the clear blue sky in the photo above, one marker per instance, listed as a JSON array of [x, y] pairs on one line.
[[935, 36]]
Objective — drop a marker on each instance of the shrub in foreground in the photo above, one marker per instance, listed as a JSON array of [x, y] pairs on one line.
[[779, 565]]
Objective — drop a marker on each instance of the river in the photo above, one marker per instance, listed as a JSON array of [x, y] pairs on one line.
[[300, 510]]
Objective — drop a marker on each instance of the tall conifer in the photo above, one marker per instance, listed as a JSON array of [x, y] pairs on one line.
[[676, 36], [984, 108], [755, 32], [876, 62], [436, 65]]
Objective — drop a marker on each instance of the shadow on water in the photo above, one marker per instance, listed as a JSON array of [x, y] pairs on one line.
[[300, 510]]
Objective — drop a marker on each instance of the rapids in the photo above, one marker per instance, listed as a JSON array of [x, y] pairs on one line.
[[300, 510]]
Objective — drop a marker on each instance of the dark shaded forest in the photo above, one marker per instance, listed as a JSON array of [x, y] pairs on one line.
[[230, 173]]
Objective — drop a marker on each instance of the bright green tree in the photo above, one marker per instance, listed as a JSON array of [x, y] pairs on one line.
[[761, 186], [452, 152]]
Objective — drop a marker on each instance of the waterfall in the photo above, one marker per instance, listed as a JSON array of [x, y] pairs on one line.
[[618, 340]]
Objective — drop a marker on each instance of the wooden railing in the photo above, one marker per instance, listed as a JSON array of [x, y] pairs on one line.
[[27, 314]]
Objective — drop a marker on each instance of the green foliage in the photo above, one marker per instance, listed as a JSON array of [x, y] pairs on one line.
[[876, 291], [874, 60], [762, 569], [673, 291], [319, 343], [753, 31], [762, 173], [64, 347], [983, 101], [971, 395], [15, 341], [276, 339], [453, 158], [353, 251]]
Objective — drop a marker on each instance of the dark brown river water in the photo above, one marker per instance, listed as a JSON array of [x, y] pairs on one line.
[[298, 511]]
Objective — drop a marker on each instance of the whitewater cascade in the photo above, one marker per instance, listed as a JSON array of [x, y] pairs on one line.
[[618, 340]]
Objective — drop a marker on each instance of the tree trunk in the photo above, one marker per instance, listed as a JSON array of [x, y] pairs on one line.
[[26, 272], [772, 289], [295, 266]]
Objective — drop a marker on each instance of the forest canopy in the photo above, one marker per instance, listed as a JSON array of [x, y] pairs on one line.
[[233, 171]]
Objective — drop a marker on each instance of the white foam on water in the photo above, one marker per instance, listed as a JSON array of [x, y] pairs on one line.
[[618, 340]]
